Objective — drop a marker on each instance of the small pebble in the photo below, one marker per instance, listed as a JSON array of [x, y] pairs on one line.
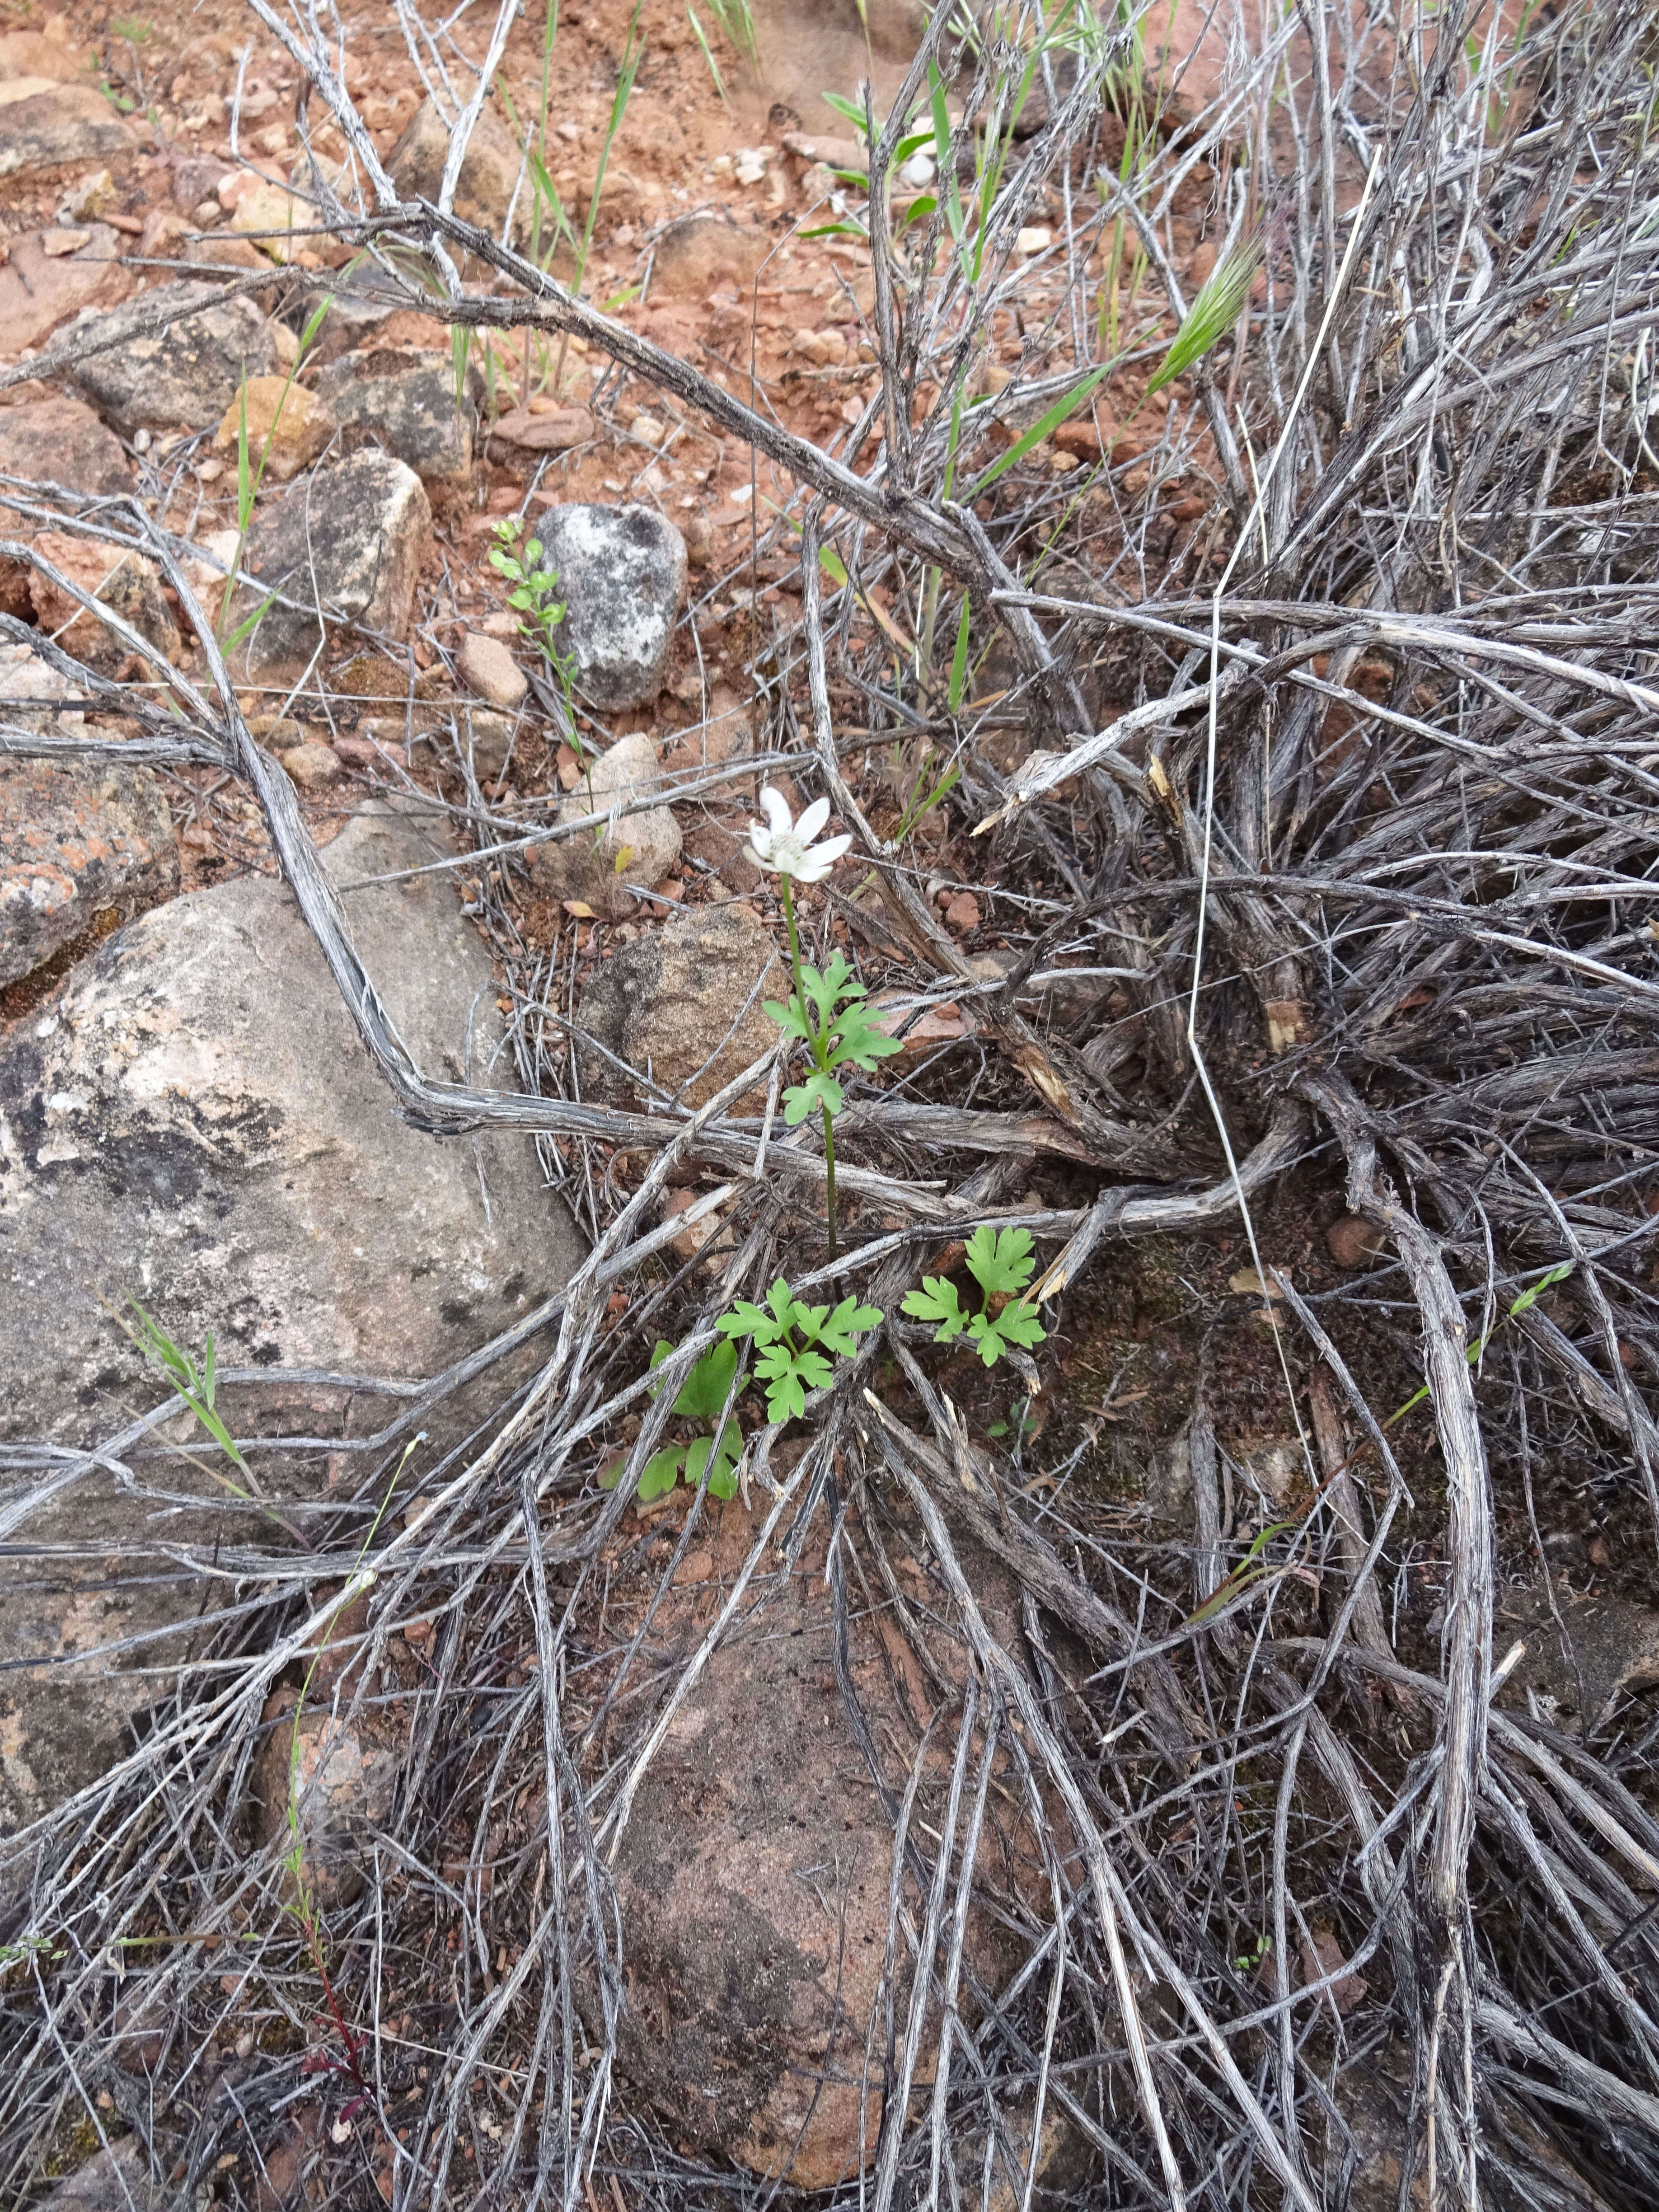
[[1354, 1242], [312, 767], [963, 911]]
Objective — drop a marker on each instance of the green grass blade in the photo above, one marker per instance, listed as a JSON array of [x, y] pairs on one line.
[[1040, 430]]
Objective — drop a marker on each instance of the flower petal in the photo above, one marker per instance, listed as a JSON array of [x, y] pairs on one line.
[[759, 850], [812, 821], [831, 849], [760, 838], [775, 807]]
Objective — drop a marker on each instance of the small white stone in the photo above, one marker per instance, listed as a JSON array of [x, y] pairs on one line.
[[1035, 240], [918, 172], [647, 429]]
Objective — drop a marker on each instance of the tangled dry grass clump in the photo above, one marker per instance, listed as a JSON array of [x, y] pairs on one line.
[[1343, 787]]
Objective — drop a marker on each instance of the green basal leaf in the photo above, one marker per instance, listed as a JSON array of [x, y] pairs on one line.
[[803, 1098], [661, 1472], [707, 1385], [1001, 1261]]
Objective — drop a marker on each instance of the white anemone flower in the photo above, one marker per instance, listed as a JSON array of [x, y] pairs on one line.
[[786, 846]]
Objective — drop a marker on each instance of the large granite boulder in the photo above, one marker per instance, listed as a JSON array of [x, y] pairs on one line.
[[190, 1119]]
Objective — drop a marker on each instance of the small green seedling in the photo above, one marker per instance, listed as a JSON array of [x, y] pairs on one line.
[[1000, 1262], [535, 591], [1021, 1422], [795, 1343], [195, 1384], [703, 1397]]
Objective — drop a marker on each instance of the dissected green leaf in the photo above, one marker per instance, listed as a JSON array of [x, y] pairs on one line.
[[1001, 1261], [819, 1089], [937, 1300], [859, 1042], [790, 1019], [843, 1329]]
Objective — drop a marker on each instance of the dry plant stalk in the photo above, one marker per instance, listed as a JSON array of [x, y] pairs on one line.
[[1347, 779]]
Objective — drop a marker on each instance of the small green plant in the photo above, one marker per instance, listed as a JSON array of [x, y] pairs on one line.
[[795, 1343], [1022, 1422], [1253, 1961], [702, 1398], [1000, 1262], [827, 1013], [195, 1382], [534, 592]]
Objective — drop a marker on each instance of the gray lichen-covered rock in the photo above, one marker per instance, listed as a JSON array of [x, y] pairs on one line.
[[405, 401], [192, 1118], [344, 545], [45, 125], [182, 376], [76, 838], [683, 1005], [621, 573]]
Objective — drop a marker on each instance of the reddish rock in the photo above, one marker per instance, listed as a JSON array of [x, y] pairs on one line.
[[39, 289], [487, 667], [58, 441], [963, 911], [336, 1778], [525, 431], [125, 582], [45, 125], [76, 838], [1354, 1242]]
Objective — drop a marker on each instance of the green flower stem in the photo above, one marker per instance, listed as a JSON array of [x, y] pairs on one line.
[[820, 1049]]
